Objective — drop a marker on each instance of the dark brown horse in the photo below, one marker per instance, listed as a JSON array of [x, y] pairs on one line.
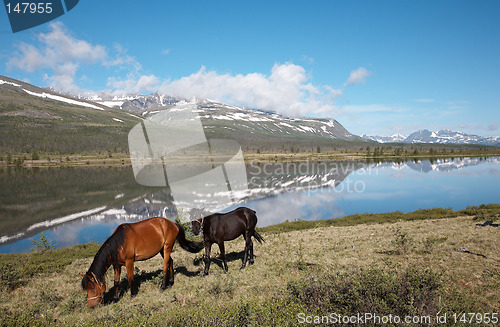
[[130, 243], [221, 227]]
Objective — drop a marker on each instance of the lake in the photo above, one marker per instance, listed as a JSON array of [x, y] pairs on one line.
[[78, 205]]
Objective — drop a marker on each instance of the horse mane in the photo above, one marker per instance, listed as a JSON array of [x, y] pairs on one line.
[[106, 256]]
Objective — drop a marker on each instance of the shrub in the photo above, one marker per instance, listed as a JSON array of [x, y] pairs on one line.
[[10, 277], [407, 293], [430, 242], [403, 242], [43, 244]]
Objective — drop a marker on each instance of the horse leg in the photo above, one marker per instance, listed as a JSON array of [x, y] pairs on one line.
[[223, 254], [248, 242], [168, 268], [250, 260], [208, 247], [129, 264], [118, 270], [171, 271]]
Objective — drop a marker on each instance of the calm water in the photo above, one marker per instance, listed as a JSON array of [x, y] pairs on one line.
[[79, 205]]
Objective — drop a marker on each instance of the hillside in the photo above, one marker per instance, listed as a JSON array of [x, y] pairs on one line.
[[257, 129], [39, 120], [395, 264], [36, 119], [43, 121]]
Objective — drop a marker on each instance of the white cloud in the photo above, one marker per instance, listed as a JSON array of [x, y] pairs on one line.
[[493, 126], [122, 60], [357, 76], [133, 84], [59, 52], [60, 55], [287, 89]]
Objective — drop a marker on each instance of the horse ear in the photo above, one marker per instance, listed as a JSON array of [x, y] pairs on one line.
[[192, 213]]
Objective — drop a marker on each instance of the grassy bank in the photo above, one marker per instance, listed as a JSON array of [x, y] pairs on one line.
[[388, 152], [393, 153], [425, 263]]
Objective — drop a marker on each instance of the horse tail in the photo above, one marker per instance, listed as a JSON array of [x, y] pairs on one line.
[[258, 237], [190, 246], [253, 214]]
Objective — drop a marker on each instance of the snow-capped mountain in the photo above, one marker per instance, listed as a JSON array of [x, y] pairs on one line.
[[232, 119], [142, 102], [450, 137], [385, 139], [442, 136], [442, 165], [240, 120], [28, 89], [254, 129], [135, 103]]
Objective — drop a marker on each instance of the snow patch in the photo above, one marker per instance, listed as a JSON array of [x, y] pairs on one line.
[[63, 99], [64, 219], [5, 239], [111, 104], [221, 117], [10, 83]]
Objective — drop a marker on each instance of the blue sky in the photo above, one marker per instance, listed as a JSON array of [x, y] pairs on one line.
[[378, 67]]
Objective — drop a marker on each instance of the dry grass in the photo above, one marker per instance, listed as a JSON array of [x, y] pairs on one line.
[[284, 257]]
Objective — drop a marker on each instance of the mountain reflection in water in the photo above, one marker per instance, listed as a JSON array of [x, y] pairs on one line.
[[79, 205]]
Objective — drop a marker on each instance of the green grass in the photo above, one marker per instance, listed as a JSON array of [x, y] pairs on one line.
[[17, 269], [403, 292], [30, 124], [356, 267], [489, 211]]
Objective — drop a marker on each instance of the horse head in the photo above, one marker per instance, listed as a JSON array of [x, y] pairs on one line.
[[196, 216], [95, 289]]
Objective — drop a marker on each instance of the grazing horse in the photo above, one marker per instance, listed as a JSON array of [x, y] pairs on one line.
[[130, 243], [221, 227]]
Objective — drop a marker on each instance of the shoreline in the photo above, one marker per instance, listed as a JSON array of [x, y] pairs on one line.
[[486, 211], [123, 159], [439, 261]]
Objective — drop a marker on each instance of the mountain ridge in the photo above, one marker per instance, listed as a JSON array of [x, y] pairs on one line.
[[27, 107], [230, 117], [38, 119], [443, 136]]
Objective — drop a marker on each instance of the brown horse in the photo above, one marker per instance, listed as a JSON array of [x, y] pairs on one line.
[[130, 243], [221, 227]]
